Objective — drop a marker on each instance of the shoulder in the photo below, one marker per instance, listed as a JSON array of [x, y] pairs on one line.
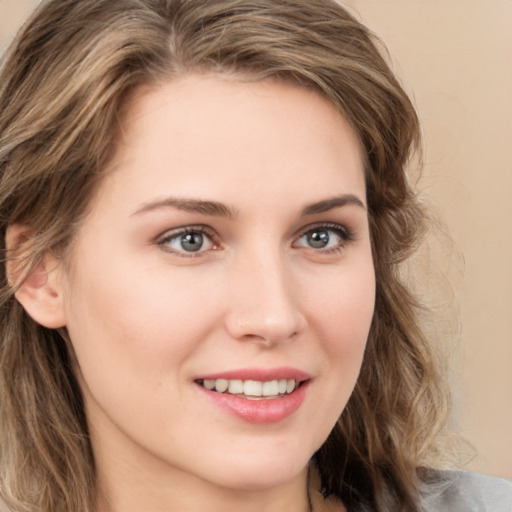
[[457, 491]]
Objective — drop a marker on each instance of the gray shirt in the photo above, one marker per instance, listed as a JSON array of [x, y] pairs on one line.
[[457, 491]]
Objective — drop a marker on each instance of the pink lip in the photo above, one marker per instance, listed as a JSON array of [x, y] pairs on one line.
[[264, 411], [261, 374]]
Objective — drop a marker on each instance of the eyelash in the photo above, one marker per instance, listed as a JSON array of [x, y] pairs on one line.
[[343, 233], [176, 234]]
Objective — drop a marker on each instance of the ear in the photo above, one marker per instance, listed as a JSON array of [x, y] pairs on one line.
[[40, 291]]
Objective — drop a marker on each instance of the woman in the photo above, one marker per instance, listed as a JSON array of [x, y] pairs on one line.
[[175, 335]]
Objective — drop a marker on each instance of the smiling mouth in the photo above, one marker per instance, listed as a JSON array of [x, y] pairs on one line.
[[251, 389]]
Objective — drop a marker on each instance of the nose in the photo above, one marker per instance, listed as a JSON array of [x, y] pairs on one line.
[[264, 302]]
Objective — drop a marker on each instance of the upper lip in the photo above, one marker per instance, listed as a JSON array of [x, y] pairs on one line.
[[259, 374]]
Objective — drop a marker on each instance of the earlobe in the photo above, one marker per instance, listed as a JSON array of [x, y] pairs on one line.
[[37, 285]]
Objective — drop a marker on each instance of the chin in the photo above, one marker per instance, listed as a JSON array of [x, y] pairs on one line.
[[261, 479], [246, 473]]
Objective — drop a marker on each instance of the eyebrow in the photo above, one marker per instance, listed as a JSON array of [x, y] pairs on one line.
[[332, 203], [213, 208], [217, 209]]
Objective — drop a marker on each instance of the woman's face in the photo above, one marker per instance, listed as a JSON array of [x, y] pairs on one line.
[[227, 246]]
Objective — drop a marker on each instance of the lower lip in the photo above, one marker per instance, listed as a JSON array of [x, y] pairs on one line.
[[263, 411]]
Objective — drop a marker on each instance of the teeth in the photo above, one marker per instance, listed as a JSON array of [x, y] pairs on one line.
[[209, 384], [221, 385], [251, 388], [270, 388], [236, 386]]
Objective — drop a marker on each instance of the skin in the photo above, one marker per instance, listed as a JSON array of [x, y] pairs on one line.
[[146, 317]]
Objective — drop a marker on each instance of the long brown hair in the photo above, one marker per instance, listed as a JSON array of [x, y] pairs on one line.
[[63, 85]]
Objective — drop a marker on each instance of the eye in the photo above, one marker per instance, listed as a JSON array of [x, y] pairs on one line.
[[324, 238], [189, 241]]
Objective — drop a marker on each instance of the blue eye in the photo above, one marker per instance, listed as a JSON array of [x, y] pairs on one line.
[[187, 241], [322, 238]]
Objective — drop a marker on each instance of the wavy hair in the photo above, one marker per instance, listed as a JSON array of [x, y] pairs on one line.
[[63, 85]]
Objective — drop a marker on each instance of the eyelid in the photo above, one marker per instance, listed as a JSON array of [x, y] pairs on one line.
[[183, 230], [334, 226], [342, 231]]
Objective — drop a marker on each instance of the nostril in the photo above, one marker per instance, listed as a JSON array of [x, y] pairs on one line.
[[267, 331], [267, 314]]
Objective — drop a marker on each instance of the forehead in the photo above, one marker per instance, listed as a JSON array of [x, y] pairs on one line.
[[210, 134]]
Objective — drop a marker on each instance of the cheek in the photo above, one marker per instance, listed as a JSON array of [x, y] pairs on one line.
[[344, 305], [138, 324], [341, 312]]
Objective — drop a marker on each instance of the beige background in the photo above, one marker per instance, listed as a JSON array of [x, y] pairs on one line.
[[456, 55]]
